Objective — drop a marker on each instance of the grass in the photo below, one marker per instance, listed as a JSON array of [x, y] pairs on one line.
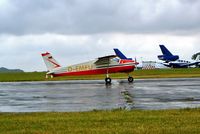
[[138, 74], [182, 121], [29, 76], [168, 73]]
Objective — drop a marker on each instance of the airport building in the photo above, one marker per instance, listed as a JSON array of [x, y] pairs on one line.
[[148, 65], [152, 65]]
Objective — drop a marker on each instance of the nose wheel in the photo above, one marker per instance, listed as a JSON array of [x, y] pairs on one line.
[[108, 80]]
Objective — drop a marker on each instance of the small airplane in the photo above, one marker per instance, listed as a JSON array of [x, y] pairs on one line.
[[173, 61], [102, 65]]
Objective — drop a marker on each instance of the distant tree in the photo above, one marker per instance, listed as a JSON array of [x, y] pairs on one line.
[[3, 70], [195, 55]]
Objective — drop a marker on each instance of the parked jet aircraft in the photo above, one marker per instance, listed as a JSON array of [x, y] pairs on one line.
[[102, 65], [173, 60], [167, 55]]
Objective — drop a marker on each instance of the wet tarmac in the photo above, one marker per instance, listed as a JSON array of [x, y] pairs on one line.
[[89, 95]]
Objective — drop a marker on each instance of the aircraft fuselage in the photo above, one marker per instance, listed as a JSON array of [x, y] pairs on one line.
[[90, 68]]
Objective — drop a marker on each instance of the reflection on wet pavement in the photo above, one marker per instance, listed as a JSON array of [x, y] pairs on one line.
[[89, 95]]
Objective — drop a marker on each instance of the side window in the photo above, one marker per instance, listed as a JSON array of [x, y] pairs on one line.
[[115, 59]]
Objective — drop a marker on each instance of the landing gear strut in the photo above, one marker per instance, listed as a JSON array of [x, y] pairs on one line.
[[108, 79]]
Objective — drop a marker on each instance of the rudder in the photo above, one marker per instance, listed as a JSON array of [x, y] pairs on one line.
[[50, 62], [165, 51]]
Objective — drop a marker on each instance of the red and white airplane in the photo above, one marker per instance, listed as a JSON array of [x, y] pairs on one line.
[[102, 65]]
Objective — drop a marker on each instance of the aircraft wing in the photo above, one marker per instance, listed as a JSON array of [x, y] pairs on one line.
[[194, 63], [104, 60], [180, 65]]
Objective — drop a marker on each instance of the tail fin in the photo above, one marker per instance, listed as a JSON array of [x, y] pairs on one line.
[[165, 51], [120, 54], [50, 62]]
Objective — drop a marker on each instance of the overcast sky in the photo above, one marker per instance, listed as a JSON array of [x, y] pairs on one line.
[[80, 30]]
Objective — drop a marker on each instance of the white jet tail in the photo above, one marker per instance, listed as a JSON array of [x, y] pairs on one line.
[[198, 58], [50, 62]]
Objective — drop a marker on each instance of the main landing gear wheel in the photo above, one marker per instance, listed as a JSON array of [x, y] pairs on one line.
[[130, 79], [108, 80]]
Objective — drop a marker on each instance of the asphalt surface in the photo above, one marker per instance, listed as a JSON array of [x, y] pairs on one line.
[[89, 95]]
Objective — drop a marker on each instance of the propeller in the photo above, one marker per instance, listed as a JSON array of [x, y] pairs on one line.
[[136, 63]]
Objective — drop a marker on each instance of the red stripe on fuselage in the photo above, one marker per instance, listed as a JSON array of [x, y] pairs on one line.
[[123, 69]]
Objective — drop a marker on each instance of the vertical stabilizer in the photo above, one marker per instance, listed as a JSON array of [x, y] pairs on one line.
[[119, 54], [50, 62], [165, 51]]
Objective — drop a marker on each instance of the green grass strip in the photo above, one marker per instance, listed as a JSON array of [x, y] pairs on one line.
[[138, 74], [184, 121]]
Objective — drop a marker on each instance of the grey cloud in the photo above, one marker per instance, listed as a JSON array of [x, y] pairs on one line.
[[21, 17]]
